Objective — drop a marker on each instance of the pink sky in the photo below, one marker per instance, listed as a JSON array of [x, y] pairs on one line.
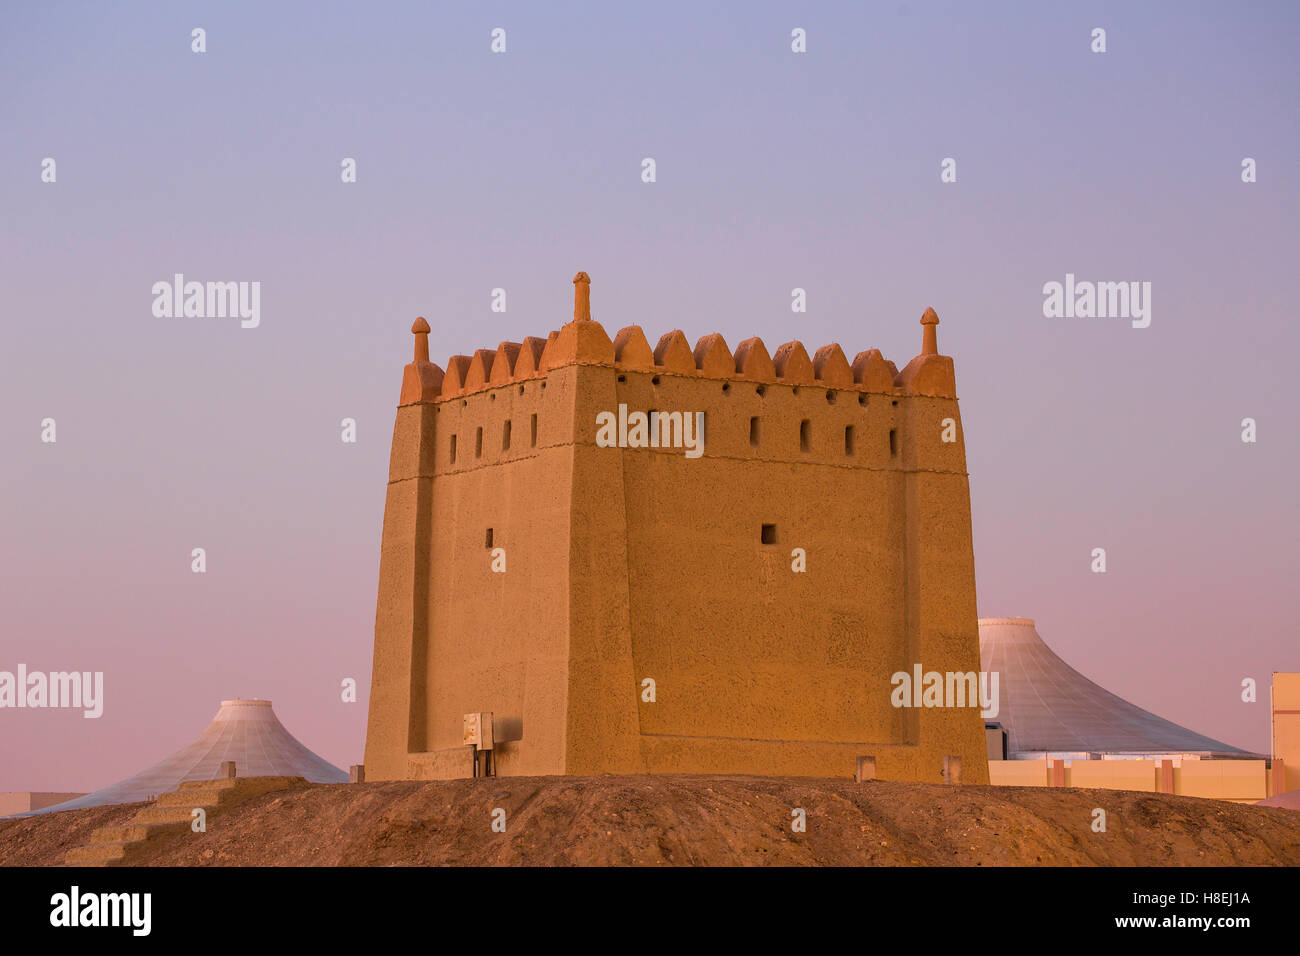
[[775, 170]]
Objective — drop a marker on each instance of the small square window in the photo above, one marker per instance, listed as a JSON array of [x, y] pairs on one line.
[[768, 534]]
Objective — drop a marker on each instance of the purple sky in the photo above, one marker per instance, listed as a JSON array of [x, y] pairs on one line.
[[775, 170]]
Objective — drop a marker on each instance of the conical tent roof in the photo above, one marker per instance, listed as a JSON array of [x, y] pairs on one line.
[[1047, 706], [245, 731], [1289, 800]]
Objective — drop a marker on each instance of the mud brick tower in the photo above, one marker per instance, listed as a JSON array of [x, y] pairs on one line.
[[623, 564]]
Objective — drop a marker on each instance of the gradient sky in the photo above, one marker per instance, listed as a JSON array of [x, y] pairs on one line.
[[775, 170]]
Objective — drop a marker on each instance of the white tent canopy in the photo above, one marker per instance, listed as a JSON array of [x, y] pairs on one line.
[[1047, 706], [245, 731]]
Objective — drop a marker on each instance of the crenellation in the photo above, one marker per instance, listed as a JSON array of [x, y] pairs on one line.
[[832, 368], [713, 358], [585, 343], [793, 365], [453, 382], [632, 350], [753, 362], [480, 369], [504, 362], [828, 375], [529, 363], [673, 353], [873, 373], [579, 343]]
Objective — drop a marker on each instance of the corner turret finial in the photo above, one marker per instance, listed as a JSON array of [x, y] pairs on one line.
[[581, 297], [930, 338], [421, 330]]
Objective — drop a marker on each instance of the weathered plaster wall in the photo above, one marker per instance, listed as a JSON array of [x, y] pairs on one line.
[[625, 564]]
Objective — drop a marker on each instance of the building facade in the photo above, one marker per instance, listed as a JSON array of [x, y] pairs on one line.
[[623, 601]]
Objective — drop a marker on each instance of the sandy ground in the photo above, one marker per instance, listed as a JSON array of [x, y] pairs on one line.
[[693, 820]]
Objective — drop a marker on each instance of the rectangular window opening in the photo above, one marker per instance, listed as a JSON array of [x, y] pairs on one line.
[[534, 438], [453, 449], [753, 432], [768, 534], [489, 538], [848, 440], [805, 435], [505, 436], [893, 442], [478, 443]]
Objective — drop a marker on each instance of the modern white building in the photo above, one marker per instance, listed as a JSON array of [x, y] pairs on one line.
[[245, 731]]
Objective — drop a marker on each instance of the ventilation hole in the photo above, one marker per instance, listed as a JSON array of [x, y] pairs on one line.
[[488, 543], [464, 402], [521, 390], [795, 390], [830, 398], [655, 380], [478, 443], [534, 427], [622, 378], [453, 449], [726, 387], [753, 431], [768, 534], [893, 442], [805, 435], [760, 391], [894, 403], [505, 435], [848, 439], [862, 399], [492, 396]]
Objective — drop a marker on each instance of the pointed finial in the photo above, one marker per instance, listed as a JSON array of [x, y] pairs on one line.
[[581, 297], [420, 328], [929, 338]]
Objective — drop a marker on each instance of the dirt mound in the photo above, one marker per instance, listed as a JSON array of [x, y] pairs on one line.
[[44, 840], [692, 820]]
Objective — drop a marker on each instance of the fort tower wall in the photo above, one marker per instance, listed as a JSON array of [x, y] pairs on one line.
[[628, 563]]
